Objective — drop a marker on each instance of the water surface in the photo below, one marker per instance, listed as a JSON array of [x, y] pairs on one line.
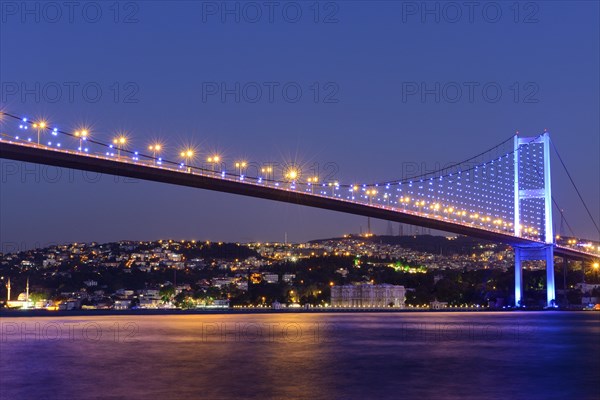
[[529, 355]]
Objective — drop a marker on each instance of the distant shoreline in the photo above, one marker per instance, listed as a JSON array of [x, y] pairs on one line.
[[150, 312]]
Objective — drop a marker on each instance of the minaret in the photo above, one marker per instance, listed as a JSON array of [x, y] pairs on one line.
[[27, 294], [8, 289]]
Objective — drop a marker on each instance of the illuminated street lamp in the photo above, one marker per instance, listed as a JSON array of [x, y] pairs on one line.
[[240, 165], [386, 196], [187, 156], [333, 185], [119, 143], [595, 266], [404, 201], [214, 160], [292, 174], [39, 126], [312, 181], [420, 205], [267, 171], [370, 194], [82, 135], [155, 149]]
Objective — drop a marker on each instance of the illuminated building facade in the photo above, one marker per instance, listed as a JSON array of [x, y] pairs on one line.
[[368, 295]]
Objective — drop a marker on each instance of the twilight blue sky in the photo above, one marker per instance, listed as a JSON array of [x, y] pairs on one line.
[[148, 68]]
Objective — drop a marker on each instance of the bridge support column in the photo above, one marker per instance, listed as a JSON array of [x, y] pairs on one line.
[[535, 253], [518, 278], [565, 268], [550, 286]]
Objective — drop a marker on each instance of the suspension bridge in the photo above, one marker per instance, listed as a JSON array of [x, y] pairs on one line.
[[503, 194]]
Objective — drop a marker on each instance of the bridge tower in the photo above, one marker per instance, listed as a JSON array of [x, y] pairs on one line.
[[533, 188]]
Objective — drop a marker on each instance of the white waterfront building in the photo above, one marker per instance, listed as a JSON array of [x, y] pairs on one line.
[[368, 295]]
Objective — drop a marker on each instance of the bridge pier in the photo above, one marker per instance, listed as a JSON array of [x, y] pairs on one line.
[[535, 253], [518, 278], [565, 268], [550, 284]]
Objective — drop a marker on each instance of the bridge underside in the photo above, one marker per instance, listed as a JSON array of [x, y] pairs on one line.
[[150, 173]]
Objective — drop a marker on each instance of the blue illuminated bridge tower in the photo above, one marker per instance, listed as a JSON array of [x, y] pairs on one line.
[[533, 207]]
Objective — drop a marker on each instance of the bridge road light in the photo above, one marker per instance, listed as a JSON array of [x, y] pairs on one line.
[[353, 189], [82, 135], [39, 126], [420, 205], [187, 156], [292, 174], [386, 197], [214, 160], [119, 142], [403, 201], [155, 149], [312, 181], [240, 165], [267, 171], [370, 194], [333, 185]]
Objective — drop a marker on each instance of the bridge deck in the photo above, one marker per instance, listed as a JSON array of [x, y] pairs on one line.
[[140, 170]]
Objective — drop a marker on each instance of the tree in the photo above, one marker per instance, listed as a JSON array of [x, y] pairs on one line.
[[166, 293], [35, 297], [183, 301]]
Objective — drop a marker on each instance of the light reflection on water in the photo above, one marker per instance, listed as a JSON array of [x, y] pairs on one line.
[[303, 356]]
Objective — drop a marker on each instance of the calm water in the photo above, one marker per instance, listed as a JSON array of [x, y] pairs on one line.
[[529, 355]]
